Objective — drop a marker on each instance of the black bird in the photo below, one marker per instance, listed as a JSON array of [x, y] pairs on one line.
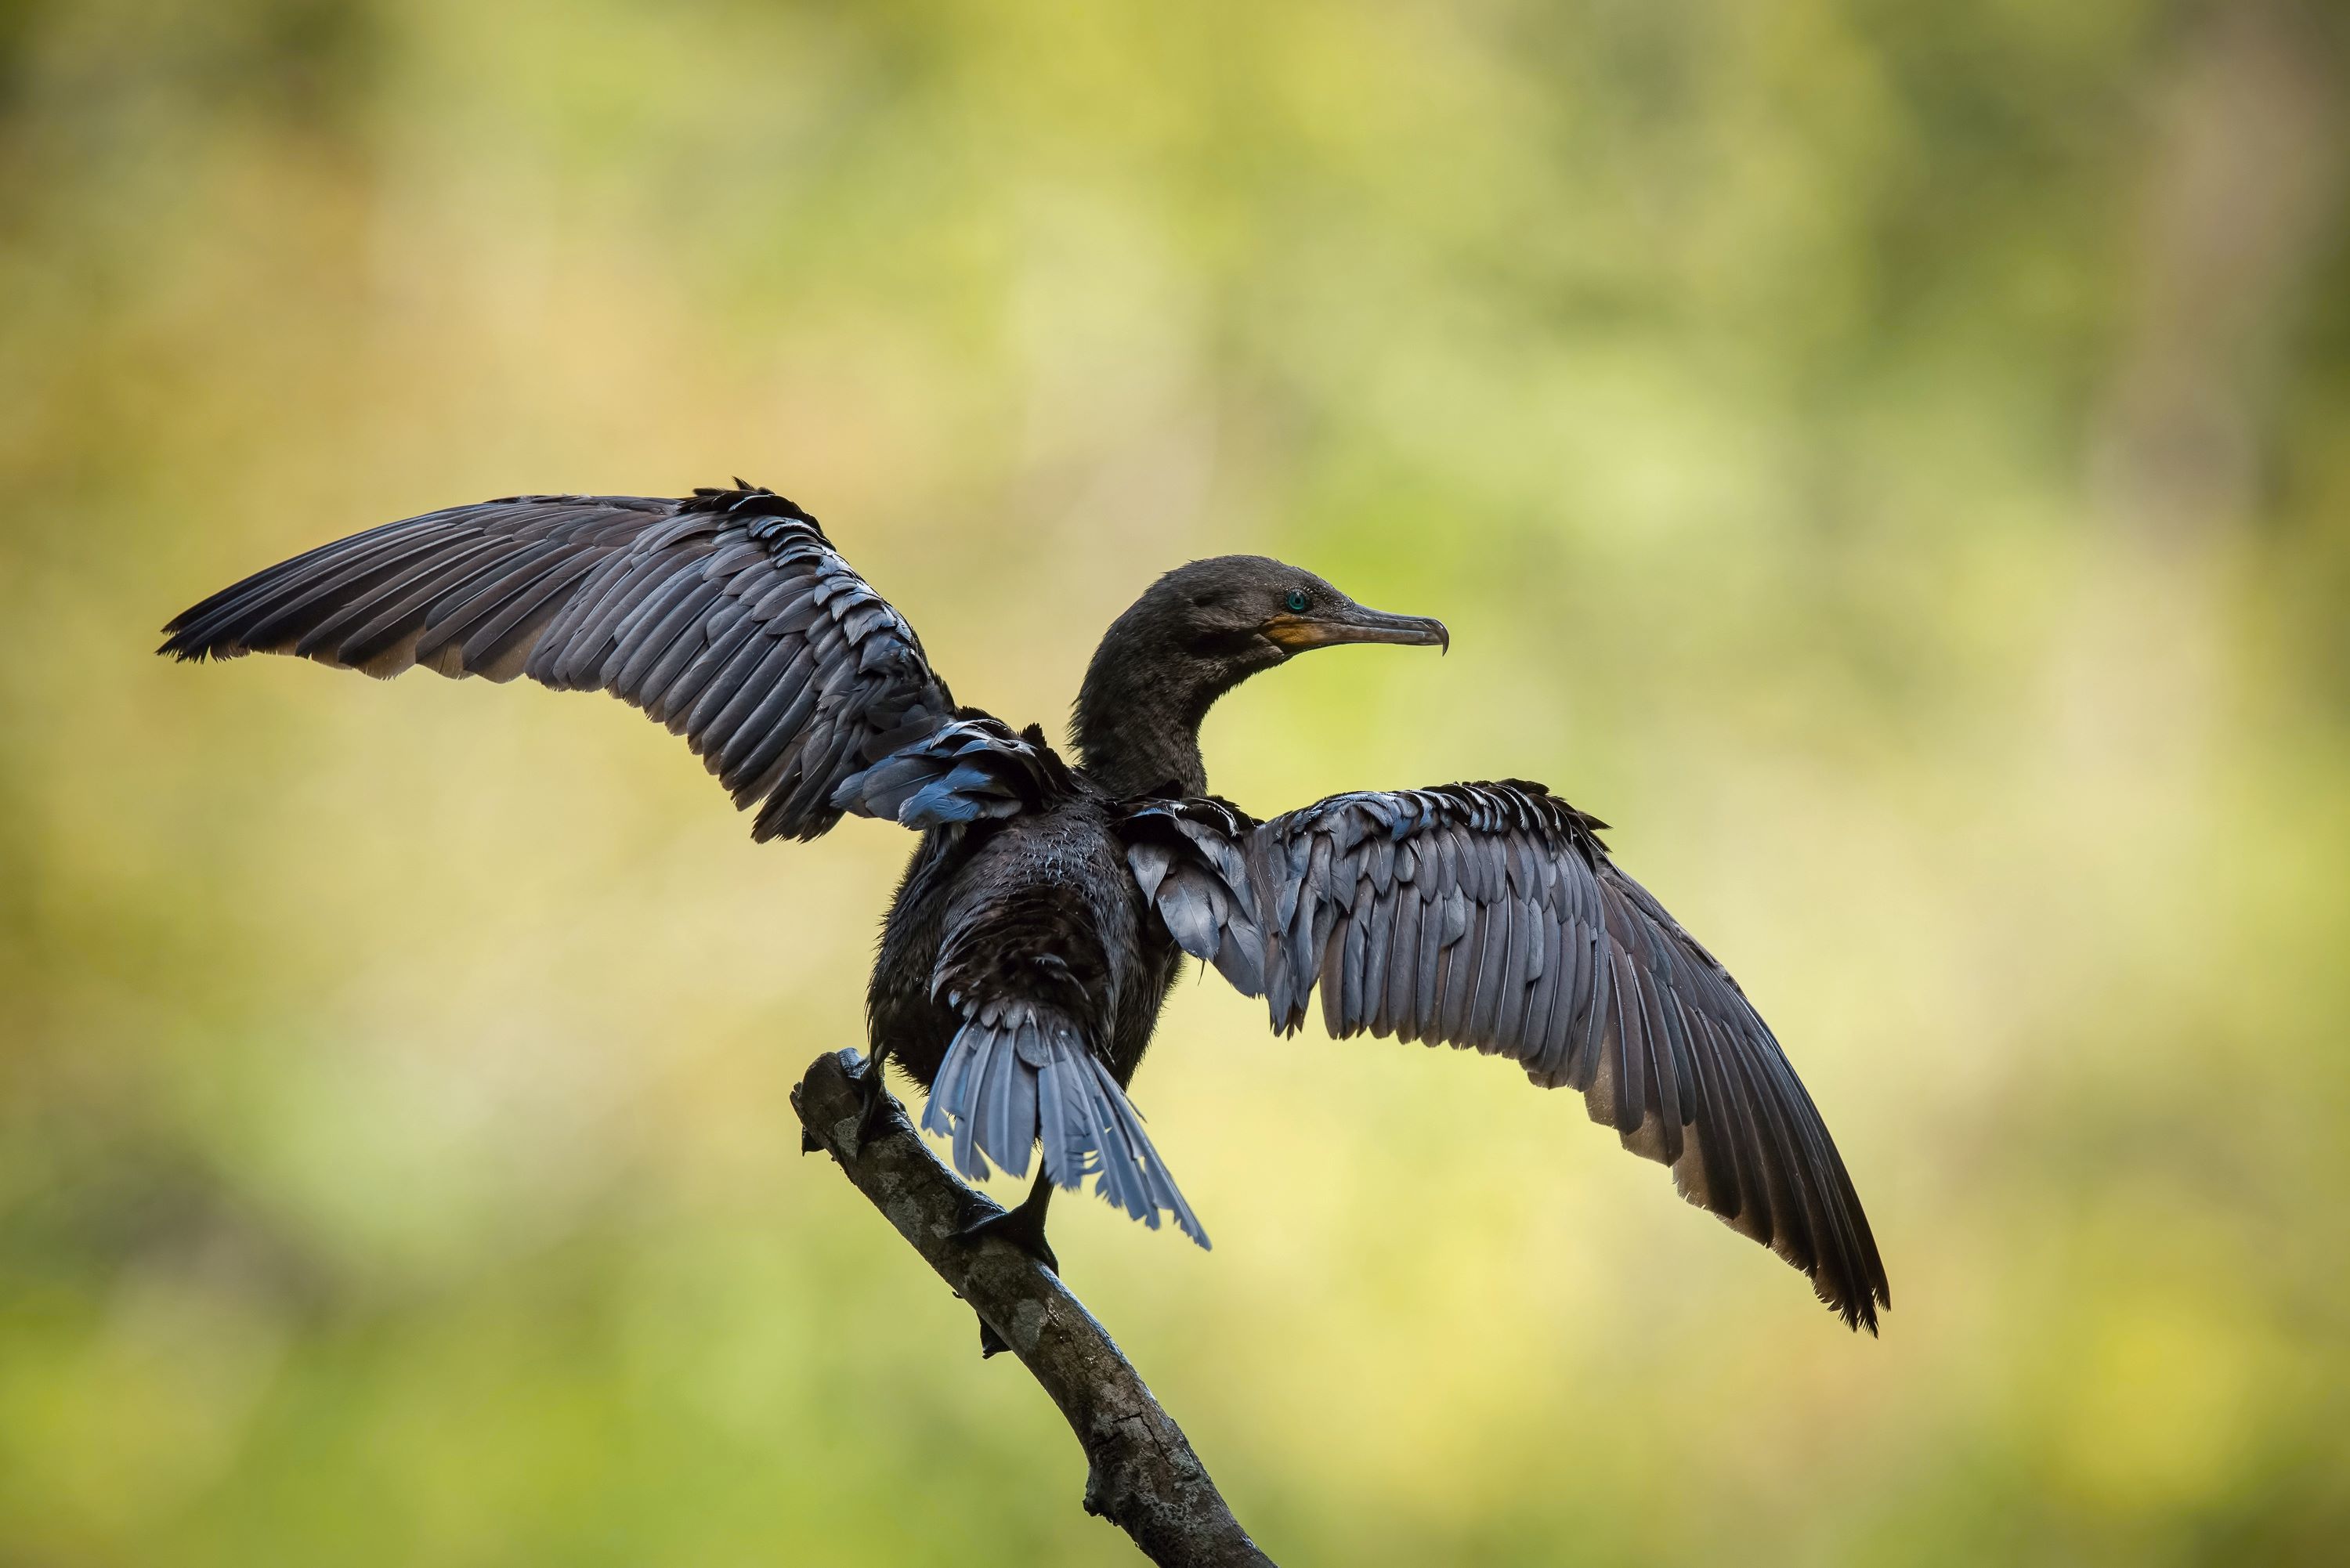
[[1048, 907]]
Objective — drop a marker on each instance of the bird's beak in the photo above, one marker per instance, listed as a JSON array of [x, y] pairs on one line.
[[1355, 623]]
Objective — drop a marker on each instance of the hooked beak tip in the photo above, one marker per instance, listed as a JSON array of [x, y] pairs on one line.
[[1419, 630]]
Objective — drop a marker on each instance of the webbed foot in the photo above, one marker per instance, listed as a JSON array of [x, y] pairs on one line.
[[875, 1105], [1023, 1226]]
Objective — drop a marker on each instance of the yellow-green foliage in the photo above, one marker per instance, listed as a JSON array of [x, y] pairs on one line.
[[1890, 460]]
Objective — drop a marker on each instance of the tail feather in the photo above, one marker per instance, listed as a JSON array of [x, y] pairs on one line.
[[1024, 1075]]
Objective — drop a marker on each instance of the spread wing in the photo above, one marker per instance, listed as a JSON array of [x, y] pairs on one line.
[[726, 616], [1490, 916]]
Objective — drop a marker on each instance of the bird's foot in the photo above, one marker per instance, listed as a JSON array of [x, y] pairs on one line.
[[1022, 1227], [876, 1105]]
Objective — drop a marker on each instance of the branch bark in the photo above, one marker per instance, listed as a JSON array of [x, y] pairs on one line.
[[1142, 1474]]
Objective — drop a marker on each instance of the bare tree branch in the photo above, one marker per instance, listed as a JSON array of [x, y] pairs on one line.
[[1142, 1474]]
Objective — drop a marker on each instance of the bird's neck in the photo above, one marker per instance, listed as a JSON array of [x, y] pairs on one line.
[[1137, 725]]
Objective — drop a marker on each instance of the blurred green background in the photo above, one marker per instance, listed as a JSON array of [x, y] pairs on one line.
[[1892, 460]]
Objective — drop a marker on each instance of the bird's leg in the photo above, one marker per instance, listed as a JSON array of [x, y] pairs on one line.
[[1023, 1226]]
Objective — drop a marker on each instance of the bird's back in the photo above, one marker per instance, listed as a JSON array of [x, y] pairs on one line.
[[1040, 905]]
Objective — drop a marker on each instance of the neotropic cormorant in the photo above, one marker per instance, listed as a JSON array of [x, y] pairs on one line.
[[1048, 907]]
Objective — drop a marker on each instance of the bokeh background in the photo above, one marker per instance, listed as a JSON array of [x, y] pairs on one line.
[[1892, 460]]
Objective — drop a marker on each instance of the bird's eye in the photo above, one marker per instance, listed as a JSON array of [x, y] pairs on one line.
[[1295, 601]]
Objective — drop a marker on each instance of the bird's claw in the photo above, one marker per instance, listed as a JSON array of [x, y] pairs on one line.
[[1023, 1226], [1018, 1226], [876, 1105]]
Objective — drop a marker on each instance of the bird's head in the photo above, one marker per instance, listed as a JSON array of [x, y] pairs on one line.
[[1202, 629], [1235, 614]]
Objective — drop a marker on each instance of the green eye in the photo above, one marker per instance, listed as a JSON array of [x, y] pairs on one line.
[[1295, 601]]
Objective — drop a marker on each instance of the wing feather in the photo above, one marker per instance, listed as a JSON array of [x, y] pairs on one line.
[[726, 615], [1490, 916]]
